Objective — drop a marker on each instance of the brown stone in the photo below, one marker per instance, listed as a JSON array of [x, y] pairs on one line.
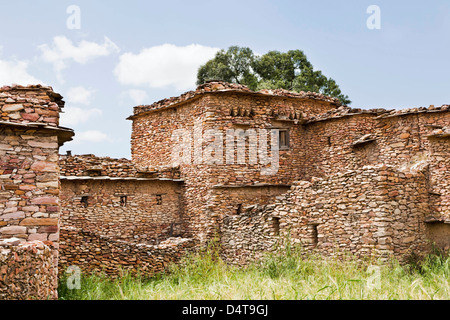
[[39, 222]]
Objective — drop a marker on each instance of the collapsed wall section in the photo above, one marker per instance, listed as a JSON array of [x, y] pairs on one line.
[[27, 271], [92, 252]]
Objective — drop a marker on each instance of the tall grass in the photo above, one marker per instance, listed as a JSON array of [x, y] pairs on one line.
[[287, 276]]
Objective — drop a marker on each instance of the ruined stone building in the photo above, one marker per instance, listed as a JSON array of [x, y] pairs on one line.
[[364, 182], [244, 168]]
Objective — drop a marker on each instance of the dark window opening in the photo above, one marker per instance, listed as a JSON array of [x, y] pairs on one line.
[[159, 199], [314, 235], [329, 141], [84, 201], [284, 139], [239, 209], [123, 201], [276, 225]]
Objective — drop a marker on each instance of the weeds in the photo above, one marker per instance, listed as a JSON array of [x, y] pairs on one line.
[[290, 274]]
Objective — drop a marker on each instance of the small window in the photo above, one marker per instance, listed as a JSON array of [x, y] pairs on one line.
[[123, 201], [159, 199], [276, 225], [284, 139], [314, 235], [239, 209], [329, 141], [84, 201]]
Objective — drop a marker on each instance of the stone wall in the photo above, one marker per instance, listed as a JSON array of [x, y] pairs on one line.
[[27, 271], [88, 165], [29, 176], [29, 171], [374, 211], [142, 211], [92, 252], [402, 139], [248, 236]]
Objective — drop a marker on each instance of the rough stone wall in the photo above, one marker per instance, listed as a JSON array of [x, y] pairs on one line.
[[27, 271], [29, 195], [29, 171], [120, 216], [248, 236], [30, 104], [89, 165], [373, 211], [92, 252], [403, 139], [152, 210], [29, 201]]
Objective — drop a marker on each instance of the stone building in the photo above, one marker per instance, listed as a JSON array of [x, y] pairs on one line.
[[250, 168], [221, 162]]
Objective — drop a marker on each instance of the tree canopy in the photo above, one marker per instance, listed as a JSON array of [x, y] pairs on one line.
[[274, 70]]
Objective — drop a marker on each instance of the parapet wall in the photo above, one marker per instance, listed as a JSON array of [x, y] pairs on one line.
[[27, 271]]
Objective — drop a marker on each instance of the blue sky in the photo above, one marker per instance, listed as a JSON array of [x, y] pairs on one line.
[[131, 52]]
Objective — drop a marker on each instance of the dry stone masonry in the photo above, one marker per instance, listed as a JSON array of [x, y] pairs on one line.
[[27, 271], [381, 175], [344, 181], [30, 137]]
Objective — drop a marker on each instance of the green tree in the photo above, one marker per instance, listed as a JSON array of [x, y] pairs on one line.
[[285, 70], [234, 65]]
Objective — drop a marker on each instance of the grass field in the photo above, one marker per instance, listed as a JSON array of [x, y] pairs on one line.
[[287, 276]]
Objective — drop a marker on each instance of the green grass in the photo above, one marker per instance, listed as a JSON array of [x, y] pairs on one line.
[[286, 276]]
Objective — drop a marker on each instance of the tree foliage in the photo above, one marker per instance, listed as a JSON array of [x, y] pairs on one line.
[[274, 70]]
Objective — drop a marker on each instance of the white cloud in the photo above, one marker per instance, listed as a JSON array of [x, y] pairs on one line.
[[73, 115], [15, 72], [163, 66], [79, 95], [90, 136], [137, 96], [62, 51]]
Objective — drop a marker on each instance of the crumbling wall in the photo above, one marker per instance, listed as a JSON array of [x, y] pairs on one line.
[[250, 235], [92, 252], [374, 211], [27, 271]]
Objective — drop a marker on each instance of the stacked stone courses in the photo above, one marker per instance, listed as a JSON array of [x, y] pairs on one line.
[[325, 139], [347, 181], [27, 271], [30, 137]]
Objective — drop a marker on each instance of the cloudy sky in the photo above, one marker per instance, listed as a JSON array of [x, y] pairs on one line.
[[105, 57]]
